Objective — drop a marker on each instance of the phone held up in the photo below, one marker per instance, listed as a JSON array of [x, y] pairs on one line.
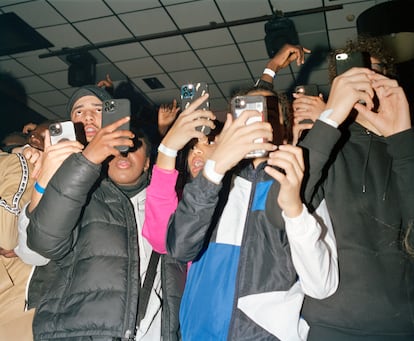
[[62, 131], [346, 61], [308, 89], [189, 93], [250, 102], [112, 111]]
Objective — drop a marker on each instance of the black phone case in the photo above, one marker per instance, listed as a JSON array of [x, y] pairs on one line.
[[308, 90], [346, 61], [189, 93], [112, 111]]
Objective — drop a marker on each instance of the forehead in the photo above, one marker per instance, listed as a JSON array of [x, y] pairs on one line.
[[261, 92]]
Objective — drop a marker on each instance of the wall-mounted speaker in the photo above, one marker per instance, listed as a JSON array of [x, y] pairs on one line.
[[279, 31], [82, 70]]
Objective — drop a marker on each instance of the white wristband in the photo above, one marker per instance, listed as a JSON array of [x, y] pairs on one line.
[[324, 117], [167, 151], [269, 72], [210, 172]]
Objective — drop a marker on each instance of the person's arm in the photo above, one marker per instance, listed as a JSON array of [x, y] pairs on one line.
[[315, 258], [314, 253], [188, 226], [286, 55], [161, 201], [51, 229], [22, 250]]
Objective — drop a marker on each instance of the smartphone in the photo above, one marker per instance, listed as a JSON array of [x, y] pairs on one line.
[[275, 118], [346, 61], [308, 90], [250, 102], [62, 131], [190, 92], [113, 110]]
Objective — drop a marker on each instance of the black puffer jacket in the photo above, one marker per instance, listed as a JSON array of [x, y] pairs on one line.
[[91, 240]]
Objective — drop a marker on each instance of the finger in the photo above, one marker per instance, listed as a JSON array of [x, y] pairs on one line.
[[46, 142], [115, 125], [275, 173], [249, 116], [297, 152], [195, 104]]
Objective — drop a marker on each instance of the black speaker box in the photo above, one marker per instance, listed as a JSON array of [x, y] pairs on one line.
[[279, 31], [82, 71]]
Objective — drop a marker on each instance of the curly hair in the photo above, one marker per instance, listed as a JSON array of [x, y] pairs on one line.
[[374, 46]]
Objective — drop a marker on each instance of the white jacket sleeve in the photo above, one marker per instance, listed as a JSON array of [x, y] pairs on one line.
[[314, 254], [22, 250]]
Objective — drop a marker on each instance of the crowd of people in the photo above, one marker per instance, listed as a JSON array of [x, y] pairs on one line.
[[184, 237]]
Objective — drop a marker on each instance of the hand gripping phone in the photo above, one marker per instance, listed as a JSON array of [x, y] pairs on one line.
[[190, 92], [308, 90], [62, 131], [112, 111], [242, 103]]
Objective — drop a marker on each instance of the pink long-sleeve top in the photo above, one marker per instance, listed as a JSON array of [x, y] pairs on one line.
[[160, 203]]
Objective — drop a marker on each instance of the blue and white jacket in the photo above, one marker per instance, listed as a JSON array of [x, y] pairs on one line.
[[251, 264]]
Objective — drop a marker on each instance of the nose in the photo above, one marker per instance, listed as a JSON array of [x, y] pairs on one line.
[[197, 150], [88, 116]]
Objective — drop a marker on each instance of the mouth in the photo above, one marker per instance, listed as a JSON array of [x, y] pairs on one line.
[[90, 130], [197, 165], [123, 163]]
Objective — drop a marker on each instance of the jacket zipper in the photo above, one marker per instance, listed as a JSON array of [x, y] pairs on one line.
[[236, 290]]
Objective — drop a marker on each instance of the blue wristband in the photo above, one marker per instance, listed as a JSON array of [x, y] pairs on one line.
[[38, 188]]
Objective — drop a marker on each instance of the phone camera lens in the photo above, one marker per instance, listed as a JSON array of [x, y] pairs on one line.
[[55, 129]]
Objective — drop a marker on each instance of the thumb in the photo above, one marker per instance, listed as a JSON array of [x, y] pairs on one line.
[[46, 140]]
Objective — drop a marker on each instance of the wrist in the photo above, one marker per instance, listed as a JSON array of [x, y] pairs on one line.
[[162, 148], [327, 117], [39, 188], [269, 72], [211, 173], [294, 211]]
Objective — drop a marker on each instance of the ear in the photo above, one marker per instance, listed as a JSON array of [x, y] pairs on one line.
[[147, 164]]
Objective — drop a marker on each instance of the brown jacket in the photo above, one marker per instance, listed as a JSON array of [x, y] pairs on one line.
[[15, 192]]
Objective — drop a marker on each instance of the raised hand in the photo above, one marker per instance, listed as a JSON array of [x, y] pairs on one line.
[[166, 116], [183, 129], [347, 89], [50, 161], [286, 55], [53, 157], [104, 142], [307, 107], [106, 83], [393, 114], [290, 159], [238, 139]]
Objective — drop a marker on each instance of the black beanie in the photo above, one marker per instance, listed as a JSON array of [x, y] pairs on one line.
[[87, 90]]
